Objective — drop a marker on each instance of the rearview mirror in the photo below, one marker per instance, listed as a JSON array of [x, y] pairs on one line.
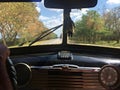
[[20, 0], [69, 4]]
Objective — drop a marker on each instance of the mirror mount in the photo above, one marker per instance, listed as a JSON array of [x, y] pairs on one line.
[[68, 25]]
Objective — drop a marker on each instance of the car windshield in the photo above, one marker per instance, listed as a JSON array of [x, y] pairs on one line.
[[30, 23]]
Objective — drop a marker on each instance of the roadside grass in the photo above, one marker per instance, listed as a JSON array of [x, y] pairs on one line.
[[26, 44], [111, 44], [42, 42]]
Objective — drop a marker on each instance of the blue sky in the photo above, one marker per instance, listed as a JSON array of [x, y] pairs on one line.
[[53, 17]]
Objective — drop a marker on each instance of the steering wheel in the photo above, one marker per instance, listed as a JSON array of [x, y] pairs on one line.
[[12, 73]]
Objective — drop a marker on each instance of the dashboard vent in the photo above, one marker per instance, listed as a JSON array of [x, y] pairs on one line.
[[68, 79]]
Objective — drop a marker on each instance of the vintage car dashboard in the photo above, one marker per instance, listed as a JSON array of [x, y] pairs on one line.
[[67, 69]]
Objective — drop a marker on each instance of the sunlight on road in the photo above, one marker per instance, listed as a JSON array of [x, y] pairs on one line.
[[49, 42]]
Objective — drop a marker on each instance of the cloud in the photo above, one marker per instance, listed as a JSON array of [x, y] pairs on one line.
[[107, 10], [42, 1], [53, 21], [50, 21], [38, 9], [77, 14], [113, 1], [38, 6], [43, 18], [56, 10]]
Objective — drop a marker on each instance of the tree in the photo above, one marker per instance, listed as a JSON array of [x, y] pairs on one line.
[[112, 23], [17, 20], [90, 27]]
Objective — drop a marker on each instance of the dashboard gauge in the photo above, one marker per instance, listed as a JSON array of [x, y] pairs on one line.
[[109, 76], [23, 74]]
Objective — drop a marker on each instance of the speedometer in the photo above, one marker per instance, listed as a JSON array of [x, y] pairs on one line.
[[109, 76]]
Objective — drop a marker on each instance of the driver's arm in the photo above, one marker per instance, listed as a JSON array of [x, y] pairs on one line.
[[5, 83]]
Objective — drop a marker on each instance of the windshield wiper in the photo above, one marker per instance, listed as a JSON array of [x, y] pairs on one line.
[[40, 35], [44, 34]]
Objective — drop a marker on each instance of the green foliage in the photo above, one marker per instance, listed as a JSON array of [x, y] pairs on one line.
[[94, 28], [90, 28], [112, 23], [52, 36]]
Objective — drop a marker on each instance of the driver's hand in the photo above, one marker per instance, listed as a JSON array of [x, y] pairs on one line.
[[4, 53], [5, 83]]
